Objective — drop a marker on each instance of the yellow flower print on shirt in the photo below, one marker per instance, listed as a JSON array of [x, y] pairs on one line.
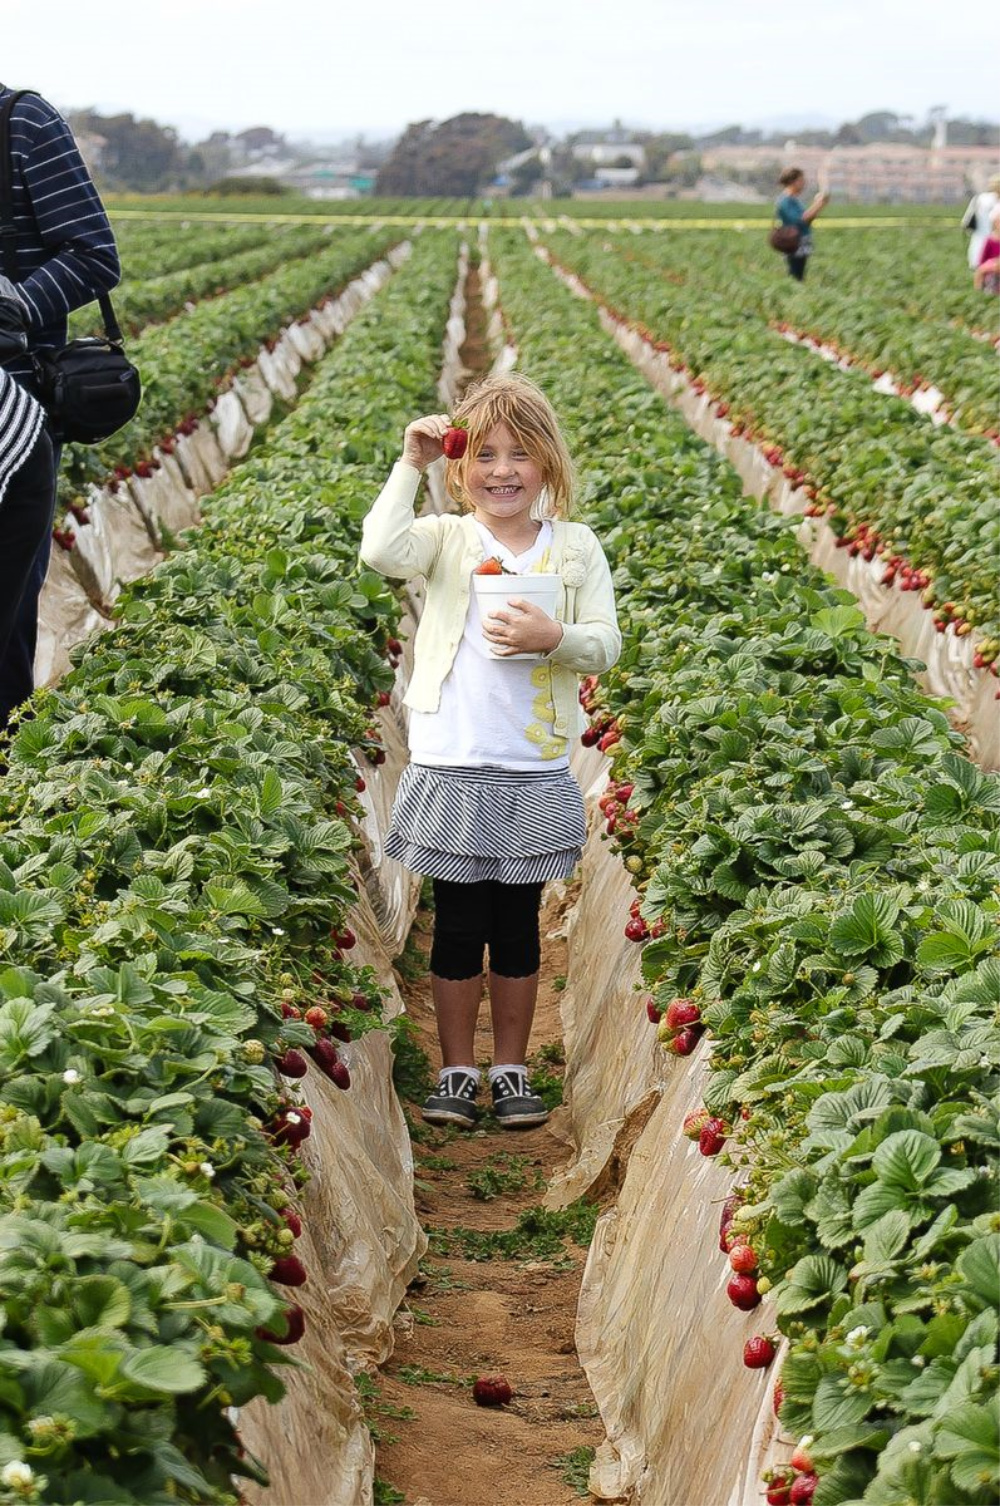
[[540, 731]]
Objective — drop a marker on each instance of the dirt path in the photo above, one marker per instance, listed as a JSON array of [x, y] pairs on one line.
[[497, 1293]]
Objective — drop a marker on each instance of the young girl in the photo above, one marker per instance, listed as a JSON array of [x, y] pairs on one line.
[[487, 806]]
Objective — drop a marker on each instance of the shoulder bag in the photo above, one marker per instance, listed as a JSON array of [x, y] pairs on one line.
[[89, 388]]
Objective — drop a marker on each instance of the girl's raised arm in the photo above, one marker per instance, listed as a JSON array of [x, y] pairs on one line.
[[393, 541]]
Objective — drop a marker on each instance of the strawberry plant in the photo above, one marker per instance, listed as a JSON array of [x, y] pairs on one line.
[[823, 862], [178, 824]]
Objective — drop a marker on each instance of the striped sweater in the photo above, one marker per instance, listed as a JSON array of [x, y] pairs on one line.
[[64, 246], [20, 420]]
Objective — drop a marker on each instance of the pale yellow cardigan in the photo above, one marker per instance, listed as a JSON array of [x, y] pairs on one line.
[[445, 549]]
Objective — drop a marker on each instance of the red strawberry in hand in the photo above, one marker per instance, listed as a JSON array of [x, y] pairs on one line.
[[492, 566], [455, 442]]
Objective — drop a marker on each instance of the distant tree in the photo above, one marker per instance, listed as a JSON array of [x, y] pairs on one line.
[[139, 154], [848, 135], [261, 139], [878, 125], [454, 159], [525, 176], [729, 136], [659, 148]]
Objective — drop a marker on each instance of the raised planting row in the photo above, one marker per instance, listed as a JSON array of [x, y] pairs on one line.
[[816, 867], [919, 497], [152, 248], [855, 303], [186, 361], [142, 301], [176, 879]]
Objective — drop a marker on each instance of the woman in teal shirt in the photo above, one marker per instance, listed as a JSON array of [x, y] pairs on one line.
[[790, 210]]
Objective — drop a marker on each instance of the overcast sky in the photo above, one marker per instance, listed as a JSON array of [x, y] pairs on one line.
[[330, 68]]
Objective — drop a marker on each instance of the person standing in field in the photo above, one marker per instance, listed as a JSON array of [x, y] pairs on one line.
[[976, 220], [790, 210], [487, 806], [65, 257]]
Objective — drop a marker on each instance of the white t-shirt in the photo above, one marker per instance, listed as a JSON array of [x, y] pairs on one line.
[[493, 710]]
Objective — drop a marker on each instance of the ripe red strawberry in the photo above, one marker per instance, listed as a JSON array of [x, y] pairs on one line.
[[291, 1127], [292, 1221], [803, 1489], [778, 1489], [292, 1063], [491, 1391], [758, 1352], [491, 566], [295, 1321], [694, 1123], [316, 1016], [359, 784], [346, 939], [589, 736], [327, 1059], [455, 442], [777, 1395], [712, 1137], [288, 1270], [383, 698], [682, 1012], [742, 1293], [340, 1031], [360, 1001], [636, 929], [393, 646], [742, 1258], [290, 1011], [683, 1043], [653, 1010]]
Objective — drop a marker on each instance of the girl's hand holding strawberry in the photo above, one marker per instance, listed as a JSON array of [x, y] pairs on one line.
[[523, 628], [427, 439], [423, 440]]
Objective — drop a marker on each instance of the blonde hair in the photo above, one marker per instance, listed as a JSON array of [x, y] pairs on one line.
[[515, 402]]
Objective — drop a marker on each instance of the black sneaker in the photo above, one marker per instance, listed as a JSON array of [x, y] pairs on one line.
[[514, 1104], [454, 1099]]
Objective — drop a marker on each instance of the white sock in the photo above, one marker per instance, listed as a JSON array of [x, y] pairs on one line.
[[499, 1070], [472, 1072]]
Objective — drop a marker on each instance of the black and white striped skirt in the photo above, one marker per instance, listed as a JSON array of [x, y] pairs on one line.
[[469, 824]]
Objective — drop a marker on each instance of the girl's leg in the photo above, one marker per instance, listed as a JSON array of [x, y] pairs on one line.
[[456, 1004], [515, 954], [460, 927]]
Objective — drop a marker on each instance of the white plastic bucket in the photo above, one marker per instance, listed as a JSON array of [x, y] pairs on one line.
[[494, 593]]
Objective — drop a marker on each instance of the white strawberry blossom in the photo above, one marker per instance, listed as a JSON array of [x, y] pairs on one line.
[[207, 1169], [17, 1475], [203, 794], [277, 931], [856, 1337], [71, 1076], [915, 1446]]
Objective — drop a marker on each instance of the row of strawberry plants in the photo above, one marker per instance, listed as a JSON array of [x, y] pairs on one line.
[[186, 360], [853, 305], [816, 868], [142, 300], [154, 248], [915, 495], [175, 885]]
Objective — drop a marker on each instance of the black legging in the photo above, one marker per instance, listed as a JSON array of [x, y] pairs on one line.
[[797, 266], [25, 520], [470, 917]]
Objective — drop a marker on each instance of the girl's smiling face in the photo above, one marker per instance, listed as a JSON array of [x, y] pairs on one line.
[[503, 481]]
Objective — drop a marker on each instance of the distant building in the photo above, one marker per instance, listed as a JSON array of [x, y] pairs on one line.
[[610, 153], [881, 172]]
